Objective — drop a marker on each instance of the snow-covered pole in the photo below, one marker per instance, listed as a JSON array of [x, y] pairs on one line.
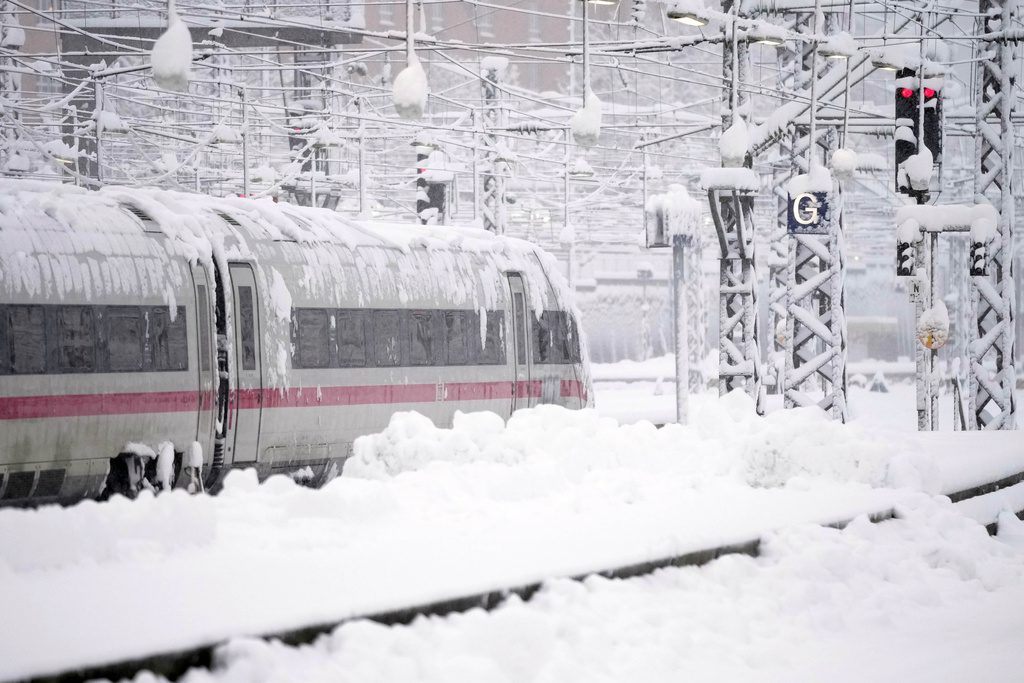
[[245, 142], [679, 297], [846, 83], [571, 266], [814, 85], [586, 46], [97, 108], [410, 22], [12, 37], [643, 178], [992, 363], [474, 121], [361, 158]]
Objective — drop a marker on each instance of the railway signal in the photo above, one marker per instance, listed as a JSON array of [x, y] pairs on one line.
[[909, 119]]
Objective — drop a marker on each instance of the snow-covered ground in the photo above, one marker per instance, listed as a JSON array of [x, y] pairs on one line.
[[926, 598], [423, 514]]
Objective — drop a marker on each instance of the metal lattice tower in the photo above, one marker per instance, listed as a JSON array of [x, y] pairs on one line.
[[815, 337], [739, 354], [696, 312], [993, 376], [739, 357], [11, 38], [789, 61], [492, 199]]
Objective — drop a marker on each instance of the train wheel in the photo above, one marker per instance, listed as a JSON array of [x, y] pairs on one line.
[[119, 481]]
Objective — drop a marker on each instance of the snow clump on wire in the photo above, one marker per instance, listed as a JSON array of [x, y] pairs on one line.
[[410, 90], [172, 54], [586, 123], [844, 162]]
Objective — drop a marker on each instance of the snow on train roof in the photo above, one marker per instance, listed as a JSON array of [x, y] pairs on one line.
[[261, 218], [57, 238]]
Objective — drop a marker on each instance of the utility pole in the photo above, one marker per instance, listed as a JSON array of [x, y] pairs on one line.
[[815, 336], [681, 329], [493, 199], [991, 392]]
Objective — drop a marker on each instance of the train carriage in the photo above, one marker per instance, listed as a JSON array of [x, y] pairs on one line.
[[256, 334]]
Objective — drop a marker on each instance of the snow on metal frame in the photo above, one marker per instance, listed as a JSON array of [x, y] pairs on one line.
[[62, 242]]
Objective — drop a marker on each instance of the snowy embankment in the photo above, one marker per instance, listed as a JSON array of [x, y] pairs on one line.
[[424, 514]]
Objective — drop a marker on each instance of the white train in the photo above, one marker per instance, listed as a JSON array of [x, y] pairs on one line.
[[259, 334]]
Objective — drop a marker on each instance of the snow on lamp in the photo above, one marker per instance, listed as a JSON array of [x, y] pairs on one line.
[[933, 326]]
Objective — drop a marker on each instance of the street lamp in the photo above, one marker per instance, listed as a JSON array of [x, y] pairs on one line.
[[688, 13]]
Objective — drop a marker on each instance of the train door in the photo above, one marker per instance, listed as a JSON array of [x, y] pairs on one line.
[[521, 336], [247, 408], [206, 364]]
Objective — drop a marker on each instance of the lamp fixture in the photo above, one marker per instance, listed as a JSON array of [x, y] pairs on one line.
[[687, 18]]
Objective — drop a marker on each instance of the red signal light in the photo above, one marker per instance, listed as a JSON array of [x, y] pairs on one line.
[[929, 93], [907, 93]]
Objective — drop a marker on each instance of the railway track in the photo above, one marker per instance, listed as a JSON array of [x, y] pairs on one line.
[[172, 665]]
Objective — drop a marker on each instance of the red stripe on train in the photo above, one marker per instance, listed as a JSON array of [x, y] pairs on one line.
[[80, 405], [83, 405]]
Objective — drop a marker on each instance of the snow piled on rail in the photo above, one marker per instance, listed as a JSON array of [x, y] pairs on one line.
[[726, 439]]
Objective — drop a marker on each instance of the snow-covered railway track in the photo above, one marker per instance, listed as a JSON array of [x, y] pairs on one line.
[[173, 665]]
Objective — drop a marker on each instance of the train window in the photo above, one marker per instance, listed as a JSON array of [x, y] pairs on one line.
[[124, 338], [519, 304], [204, 327], [248, 328], [76, 339], [351, 339], [544, 341], [493, 352], [312, 330], [572, 340], [555, 338], [167, 339], [455, 333], [26, 339], [387, 350], [424, 340]]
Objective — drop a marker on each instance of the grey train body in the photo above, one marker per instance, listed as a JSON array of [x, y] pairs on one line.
[[255, 334]]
